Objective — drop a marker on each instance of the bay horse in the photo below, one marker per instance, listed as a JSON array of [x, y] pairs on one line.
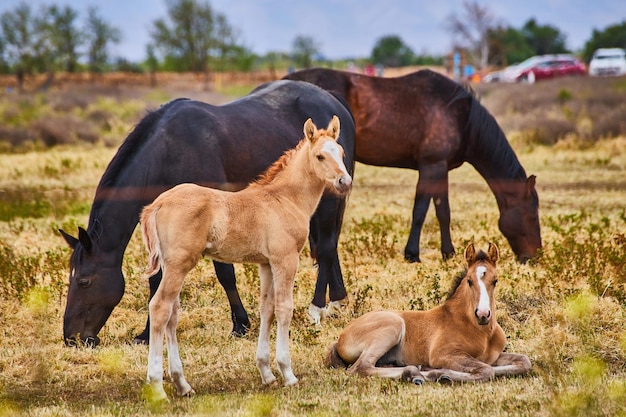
[[428, 122], [223, 147], [459, 340], [265, 223]]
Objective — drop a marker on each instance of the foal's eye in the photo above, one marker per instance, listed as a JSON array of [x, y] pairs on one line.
[[320, 157]]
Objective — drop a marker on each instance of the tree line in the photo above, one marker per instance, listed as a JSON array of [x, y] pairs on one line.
[[195, 37]]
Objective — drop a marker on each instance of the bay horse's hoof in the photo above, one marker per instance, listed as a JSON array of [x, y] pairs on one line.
[[240, 330]]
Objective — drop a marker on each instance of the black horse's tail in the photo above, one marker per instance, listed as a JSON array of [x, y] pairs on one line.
[[333, 360]]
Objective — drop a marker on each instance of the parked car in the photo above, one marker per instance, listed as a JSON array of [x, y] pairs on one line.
[[539, 67], [608, 61]]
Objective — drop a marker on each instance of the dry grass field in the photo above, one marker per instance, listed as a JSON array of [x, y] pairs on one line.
[[566, 309]]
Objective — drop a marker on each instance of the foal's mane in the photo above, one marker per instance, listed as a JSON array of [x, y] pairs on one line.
[[270, 173], [458, 279]]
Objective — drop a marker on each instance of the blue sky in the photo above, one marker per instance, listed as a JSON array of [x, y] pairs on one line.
[[348, 28]]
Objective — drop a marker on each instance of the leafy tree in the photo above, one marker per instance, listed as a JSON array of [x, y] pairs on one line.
[[99, 35], [194, 34], [508, 46], [544, 39], [65, 37], [613, 36], [304, 48], [18, 28], [471, 31], [391, 51]]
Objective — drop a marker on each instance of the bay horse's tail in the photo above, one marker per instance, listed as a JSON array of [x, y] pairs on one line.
[[151, 239], [333, 360]]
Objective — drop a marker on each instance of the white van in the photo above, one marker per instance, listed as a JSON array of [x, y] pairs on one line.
[[608, 61]]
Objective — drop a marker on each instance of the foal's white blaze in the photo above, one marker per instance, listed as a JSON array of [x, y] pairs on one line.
[[331, 148], [484, 306]]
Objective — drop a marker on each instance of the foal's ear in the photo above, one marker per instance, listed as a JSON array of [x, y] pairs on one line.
[[470, 254], [309, 129], [493, 253], [333, 128]]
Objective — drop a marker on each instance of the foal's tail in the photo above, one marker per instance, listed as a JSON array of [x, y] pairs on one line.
[[333, 360], [151, 239]]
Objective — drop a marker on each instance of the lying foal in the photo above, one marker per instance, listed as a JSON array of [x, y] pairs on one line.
[[457, 341]]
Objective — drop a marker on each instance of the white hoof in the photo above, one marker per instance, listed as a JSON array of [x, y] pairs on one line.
[[335, 308], [316, 314]]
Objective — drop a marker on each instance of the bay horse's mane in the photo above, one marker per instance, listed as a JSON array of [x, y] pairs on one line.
[[458, 279], [132, 144]]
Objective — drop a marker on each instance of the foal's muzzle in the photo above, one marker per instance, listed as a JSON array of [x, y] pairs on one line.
[[482, 316], [343, 183]]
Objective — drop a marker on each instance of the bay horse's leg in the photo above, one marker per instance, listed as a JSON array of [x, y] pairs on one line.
[[442, 210], [175, 365], [432, 182], [144, 337], [266, 309], [284, 274], [226, 276], [323, 238]]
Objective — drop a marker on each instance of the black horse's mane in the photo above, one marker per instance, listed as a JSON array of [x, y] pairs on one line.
[[458, 279], [132, 143]]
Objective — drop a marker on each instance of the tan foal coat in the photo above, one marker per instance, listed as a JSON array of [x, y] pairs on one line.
[[457, 341], [266, 223]]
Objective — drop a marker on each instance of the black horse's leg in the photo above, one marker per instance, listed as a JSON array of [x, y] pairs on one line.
[[144, 337], [323, 237], [226, 277], [432, 181]]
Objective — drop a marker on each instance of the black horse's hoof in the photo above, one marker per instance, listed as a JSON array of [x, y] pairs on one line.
[[447, 256], [140, 341], [412, 258], [240, 330]]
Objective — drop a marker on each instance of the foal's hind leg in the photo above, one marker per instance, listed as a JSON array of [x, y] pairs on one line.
[[175, 365]]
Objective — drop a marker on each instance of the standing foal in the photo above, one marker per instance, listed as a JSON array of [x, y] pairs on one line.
[[266, 223], [460, 338]]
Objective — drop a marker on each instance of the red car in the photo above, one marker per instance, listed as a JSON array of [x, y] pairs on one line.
[[542, 67]]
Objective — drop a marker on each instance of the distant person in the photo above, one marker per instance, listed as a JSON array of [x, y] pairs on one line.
[[369, 70], [379, 70]]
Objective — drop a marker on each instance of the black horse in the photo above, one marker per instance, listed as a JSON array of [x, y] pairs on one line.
[[223, 147], [428, 122]]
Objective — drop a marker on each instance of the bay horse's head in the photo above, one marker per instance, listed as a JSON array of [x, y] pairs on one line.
[[327, 155], [475, 289], [95, 288], [519, 219]]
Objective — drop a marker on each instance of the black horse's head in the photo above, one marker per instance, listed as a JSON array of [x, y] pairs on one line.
[[519, 220], [96, 286]]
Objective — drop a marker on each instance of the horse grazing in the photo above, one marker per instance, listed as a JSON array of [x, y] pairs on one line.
[[427, 122], [225, 147], [266, 223], [457, 341]]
